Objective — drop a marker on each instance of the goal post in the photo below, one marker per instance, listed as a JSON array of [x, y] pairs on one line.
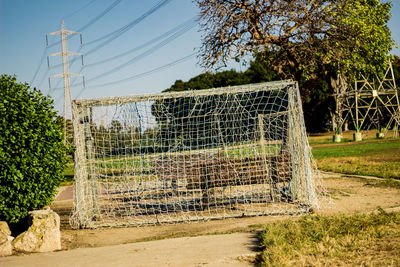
[[192, 155]]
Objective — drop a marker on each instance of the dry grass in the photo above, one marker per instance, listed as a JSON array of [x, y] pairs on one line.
[[356, 240], [361, 166]]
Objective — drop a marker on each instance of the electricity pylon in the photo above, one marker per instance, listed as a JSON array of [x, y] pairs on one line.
[[370, 103], [66, 74]]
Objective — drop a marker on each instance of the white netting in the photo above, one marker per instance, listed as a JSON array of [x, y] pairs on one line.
[[195, 155]]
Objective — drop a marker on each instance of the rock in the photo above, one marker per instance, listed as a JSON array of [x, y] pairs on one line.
[[5, 239], [43, 234]]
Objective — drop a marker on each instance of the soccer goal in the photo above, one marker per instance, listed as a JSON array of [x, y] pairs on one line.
[[190, 156]]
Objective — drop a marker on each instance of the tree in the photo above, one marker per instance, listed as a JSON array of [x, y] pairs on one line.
[[32, 152], [211, 80], [310, 41], [300, 38]]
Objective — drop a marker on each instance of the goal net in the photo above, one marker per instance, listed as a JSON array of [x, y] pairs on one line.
[[190, 156]]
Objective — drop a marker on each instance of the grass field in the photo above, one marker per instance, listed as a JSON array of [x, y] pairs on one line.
[[68, 172], [351, 240], [143, 163], [347, 137], [372, 157], [378, 158]]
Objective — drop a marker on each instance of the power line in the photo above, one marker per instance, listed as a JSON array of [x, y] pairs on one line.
[[104, 12], [39, 65], [146, 53], [160, 37], [130, 24], [43, 78], [117, 33], [186, 27], [183, 25], [140, 75], [78, 10], [114, 4], [143, 74], [73, 82], [121, 31]]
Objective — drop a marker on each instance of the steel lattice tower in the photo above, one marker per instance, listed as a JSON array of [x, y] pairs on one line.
[[67, 113]]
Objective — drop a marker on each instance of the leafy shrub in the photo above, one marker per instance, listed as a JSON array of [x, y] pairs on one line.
[[32, 153]]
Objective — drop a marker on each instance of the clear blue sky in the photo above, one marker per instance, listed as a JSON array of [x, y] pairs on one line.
[[25, 23]]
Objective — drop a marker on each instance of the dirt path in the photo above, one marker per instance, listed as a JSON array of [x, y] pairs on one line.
[[194, 244], [217, 250]]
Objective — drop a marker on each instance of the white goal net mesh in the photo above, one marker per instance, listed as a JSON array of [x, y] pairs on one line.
[[193, 155]]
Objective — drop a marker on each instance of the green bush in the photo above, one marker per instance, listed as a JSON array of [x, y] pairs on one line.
[[32, 153]]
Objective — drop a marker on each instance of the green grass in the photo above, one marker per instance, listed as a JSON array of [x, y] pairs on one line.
[[347, 137], [315, 141], [357, 149], [380, 159], [352, 240], [143, 164], [68, 172]]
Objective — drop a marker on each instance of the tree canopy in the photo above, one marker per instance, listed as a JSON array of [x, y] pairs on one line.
[[299, 38], [310, 41]]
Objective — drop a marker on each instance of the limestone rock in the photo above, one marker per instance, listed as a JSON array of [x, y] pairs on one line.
[[43, 234], [5, 239]]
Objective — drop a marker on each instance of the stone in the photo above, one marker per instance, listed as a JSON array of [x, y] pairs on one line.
[[5, 239], [43, 234], [337, 138], [357, 136]]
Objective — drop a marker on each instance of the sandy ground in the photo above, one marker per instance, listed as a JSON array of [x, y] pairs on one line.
[[213, 243]]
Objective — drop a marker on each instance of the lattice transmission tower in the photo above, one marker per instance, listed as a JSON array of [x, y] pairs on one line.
[[67, 113], [369, 103]]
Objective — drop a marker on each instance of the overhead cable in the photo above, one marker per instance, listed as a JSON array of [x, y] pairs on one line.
[[115, 3], [84, 27], [131, 24], [144, 54], [152, 41], [81, 8], [185, 26], [39, 65], [117, 33], [108, 9], [140, 75]]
